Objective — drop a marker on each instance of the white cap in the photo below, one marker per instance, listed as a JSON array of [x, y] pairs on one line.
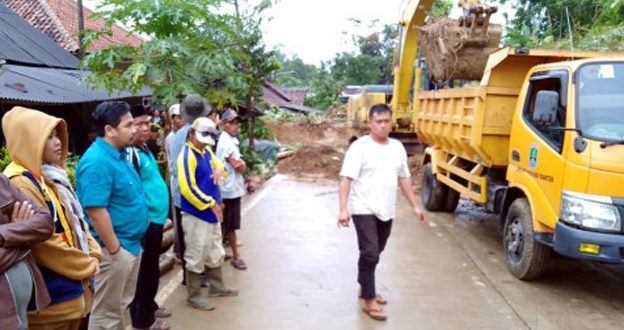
[[174, 110], [205, 130]]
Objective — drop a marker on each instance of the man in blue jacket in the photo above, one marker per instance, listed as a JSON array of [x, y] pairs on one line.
[[202, 214]]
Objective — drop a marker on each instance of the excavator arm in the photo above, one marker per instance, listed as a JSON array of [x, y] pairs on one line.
[[414, 15]]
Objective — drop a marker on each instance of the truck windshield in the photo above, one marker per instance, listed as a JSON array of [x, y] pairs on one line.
[[600, 103]]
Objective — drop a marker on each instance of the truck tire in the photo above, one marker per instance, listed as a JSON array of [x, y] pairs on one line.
[[433, 192], [452, 199], [526, 258]]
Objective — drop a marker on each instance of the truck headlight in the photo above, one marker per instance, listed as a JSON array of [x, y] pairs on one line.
[[590, 211]]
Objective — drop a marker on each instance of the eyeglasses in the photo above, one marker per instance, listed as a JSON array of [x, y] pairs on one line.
[[205, 134]]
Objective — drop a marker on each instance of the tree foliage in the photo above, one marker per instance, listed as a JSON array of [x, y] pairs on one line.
[[370, 64], [294, 72], [324, 89], [544, 23], [191, 46]]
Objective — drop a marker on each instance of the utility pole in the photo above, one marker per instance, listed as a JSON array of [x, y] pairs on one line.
[[81, 51]]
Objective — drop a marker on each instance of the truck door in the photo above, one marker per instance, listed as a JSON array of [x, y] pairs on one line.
[[537, 162]]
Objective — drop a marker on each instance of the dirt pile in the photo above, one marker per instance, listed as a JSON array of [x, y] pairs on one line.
[[318, 147], [454, 52], [313, 160]]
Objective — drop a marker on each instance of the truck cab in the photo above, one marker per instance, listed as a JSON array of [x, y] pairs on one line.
[[566, 159]]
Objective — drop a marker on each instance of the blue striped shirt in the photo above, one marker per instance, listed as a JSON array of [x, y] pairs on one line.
[[198, 192]]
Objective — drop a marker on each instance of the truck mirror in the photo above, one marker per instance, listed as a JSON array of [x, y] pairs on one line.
[[546, 104]]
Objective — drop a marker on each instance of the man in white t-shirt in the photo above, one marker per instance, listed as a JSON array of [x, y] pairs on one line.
[[373, 167], [234, 186]]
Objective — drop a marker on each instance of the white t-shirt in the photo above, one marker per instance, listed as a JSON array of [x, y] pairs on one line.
[[234, 185], [171, 161], [375, 170]]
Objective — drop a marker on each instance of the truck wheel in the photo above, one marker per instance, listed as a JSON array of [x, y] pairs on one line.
[[452, 199], [433, 192], [526, 258]]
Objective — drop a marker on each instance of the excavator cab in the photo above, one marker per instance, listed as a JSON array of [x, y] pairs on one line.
[[459, 48]]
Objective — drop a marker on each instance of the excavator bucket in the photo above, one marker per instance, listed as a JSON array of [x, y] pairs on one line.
[[459, 49]]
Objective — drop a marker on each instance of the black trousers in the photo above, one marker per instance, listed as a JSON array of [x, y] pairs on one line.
[[372, 236], [179, 240], [179, 246], [143, 305]]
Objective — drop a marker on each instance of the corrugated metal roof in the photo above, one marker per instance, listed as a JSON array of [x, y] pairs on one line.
[[51, 86], [21, 43]]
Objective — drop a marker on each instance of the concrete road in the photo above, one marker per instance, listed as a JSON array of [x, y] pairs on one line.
[[572, 294], [449, 274]]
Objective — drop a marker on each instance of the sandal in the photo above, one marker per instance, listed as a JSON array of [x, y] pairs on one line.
[[380, 299], [160, 325], [375, 314], [162, 312], [238, 264]]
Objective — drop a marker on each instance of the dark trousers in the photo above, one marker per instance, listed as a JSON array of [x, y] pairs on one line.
[[372, 236], [179, 240], [143, 306]]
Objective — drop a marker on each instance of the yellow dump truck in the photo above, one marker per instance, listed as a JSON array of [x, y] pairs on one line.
[[540, 141]]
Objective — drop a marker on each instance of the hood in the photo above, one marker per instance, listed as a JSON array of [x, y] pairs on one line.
[[26, 132]]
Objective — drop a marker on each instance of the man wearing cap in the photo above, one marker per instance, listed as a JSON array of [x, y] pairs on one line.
[[176, 124], [234, 186], [193, 106], [143, 308], [201, 215]]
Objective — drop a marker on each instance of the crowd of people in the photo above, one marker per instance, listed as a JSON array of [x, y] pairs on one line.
[[84, 255]]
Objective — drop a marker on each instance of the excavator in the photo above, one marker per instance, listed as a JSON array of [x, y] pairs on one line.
[[452, 49]]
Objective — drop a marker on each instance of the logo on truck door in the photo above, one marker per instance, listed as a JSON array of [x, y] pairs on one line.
[[533, 155]]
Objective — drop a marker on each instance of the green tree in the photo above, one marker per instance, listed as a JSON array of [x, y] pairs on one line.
[[324, 89], [253, 61], [544, 23], [191, 46], [361, 69], [294, 72]]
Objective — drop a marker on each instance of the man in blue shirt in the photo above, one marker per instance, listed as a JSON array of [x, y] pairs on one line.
[[110, 191]]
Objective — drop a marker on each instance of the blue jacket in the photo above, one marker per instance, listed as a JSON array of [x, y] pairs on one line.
[[198, 192]]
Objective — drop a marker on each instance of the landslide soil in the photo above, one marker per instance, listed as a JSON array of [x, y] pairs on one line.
[[319, 148]]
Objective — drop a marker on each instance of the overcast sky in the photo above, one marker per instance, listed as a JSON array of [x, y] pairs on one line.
[[316, 30]]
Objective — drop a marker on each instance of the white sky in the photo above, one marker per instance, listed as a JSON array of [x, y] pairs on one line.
[[316, 30]]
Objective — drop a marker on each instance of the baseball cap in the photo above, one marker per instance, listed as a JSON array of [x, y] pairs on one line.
[[174, 110], [228, 115], [205, 130]]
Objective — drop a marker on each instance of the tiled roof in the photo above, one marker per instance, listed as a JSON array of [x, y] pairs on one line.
[[275, 95], [23, 44], [58, 19], [296, 94]]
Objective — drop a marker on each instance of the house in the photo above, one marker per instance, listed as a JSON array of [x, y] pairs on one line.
[[289, 99], [36, 72], [58, 19]]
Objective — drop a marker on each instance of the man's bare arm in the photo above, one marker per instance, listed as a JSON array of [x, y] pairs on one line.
[[343, 215], [405, 183]]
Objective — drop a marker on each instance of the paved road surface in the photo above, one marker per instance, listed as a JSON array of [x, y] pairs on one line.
[[446, 275]]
